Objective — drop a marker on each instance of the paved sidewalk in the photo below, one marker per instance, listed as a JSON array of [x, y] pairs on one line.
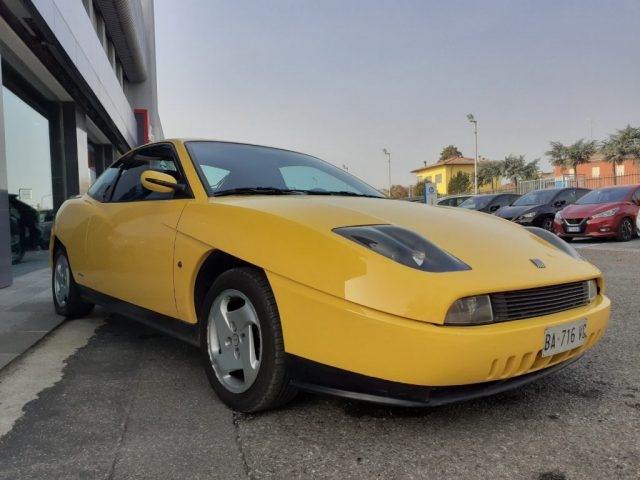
[[26, 313]]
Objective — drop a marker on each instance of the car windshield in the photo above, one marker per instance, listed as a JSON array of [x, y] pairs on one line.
[[238, 169], [539, 197], [476, 203], [604, 195]]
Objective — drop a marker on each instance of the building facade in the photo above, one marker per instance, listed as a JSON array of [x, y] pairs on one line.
[[78, 89], [599, 173]]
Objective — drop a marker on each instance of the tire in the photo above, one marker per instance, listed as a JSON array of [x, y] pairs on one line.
[[547, 224], [17, 249], [17, 243], [241, 342], [625, 230], [66, 295]]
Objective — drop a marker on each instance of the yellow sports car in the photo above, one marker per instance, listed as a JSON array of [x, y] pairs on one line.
[[290, 273]]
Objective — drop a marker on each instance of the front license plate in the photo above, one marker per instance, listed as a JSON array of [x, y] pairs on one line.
[[573, 229], [561, 338]]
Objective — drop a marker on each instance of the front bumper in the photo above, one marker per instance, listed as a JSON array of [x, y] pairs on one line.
[[333, 332], [322, 379], [594, 227]]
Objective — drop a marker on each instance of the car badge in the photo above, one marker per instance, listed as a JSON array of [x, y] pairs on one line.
[[537, 262]]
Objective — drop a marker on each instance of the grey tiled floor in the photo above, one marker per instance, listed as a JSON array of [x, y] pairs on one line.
[[26, 313]]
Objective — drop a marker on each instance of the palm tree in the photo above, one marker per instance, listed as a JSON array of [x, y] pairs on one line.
[[572, 155], [488, 172], [515, 168], [620, 146]]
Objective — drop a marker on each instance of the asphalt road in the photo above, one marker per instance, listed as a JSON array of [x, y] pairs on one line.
[[133, 404]]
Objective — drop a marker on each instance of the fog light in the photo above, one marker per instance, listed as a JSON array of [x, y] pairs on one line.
[[605, 229], [470, 311], [593, 289]]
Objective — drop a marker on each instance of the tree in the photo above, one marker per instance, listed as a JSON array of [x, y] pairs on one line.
[[488, 172], [572, 155], [459, 183], [515, 168], [450, 151], [620, 146], [418, 190], [399, 191]]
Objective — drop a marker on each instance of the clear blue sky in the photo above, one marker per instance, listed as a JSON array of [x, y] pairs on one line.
[[343, 79]]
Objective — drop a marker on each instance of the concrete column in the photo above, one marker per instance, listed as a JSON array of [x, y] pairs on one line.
[[103, 157], [6, 277]]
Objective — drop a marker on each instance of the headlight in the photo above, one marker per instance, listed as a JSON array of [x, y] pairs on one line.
[[470, 311], [555, 241], [609, 213], [559, 215], [403, 246], [529, 215]]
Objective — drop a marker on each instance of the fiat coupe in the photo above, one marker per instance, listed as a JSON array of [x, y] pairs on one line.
[[291, 274]]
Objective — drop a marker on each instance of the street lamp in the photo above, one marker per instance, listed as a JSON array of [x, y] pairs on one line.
[[475, 160], [388, 154]]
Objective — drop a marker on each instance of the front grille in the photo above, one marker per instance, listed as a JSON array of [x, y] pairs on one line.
[[574, 221], [535, 302]]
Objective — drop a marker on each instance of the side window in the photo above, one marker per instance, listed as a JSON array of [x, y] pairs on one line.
[[103, 186], [158, 158], [502, 201], [568, 196]]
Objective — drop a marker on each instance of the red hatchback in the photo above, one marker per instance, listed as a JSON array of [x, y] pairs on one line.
[[605, 212]]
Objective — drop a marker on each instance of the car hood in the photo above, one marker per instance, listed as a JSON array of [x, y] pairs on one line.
[[515, 211], [291, 238], [588, 210]]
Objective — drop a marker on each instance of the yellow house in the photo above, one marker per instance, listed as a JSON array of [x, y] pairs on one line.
[[442, 172]]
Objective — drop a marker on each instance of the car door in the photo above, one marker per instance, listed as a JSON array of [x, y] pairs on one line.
[[131, 236]]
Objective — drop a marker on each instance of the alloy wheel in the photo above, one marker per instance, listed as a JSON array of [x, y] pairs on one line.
[[234, 340], [626, 230], [61, 280]]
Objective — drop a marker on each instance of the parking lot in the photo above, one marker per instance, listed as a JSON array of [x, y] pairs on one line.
[[126, 402]]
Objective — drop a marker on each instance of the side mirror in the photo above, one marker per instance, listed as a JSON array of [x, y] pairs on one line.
[[159, 182], [493, 208], [559, 203]]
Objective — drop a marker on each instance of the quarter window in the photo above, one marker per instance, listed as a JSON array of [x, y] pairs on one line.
[[103, 186]]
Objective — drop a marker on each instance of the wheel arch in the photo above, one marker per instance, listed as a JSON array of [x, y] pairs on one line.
[[216, 263]]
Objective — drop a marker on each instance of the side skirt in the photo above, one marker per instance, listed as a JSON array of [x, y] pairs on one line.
[[169, 325]]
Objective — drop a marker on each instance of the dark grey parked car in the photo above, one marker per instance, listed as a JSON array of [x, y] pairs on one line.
[[539, 208], [489, 203], [452, 200]]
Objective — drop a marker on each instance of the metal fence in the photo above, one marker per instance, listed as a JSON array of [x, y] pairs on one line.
[[527, 186]]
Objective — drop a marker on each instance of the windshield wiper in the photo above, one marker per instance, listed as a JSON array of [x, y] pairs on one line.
[[346, 193], [287, 191], [258, 191]]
